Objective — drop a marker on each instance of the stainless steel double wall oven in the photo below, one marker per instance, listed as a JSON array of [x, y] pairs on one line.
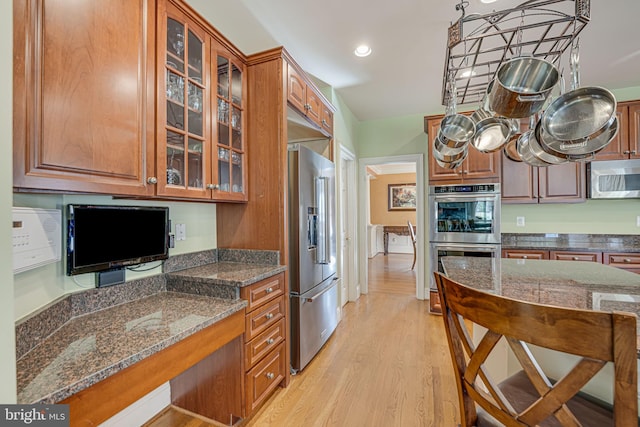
[[464, 221]]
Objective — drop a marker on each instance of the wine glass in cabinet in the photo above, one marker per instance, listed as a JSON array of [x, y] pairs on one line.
[[230, 118], [183, 135]]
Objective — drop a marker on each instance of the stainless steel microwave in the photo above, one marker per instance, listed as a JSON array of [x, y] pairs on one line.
[[615, 179]]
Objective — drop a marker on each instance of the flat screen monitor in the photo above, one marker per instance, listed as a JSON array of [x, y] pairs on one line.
[[101, 237]]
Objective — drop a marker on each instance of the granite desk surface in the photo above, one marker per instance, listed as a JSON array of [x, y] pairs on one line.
[[576, 242], [228, 273], [582, 285], [93, 346]]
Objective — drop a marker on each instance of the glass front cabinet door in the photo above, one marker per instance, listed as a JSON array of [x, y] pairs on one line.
[[229, 154], [201, 101]]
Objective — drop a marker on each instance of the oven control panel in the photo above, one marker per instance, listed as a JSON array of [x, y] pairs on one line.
[[464, 189]]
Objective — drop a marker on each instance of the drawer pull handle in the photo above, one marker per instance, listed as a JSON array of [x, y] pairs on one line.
[[627, 260], [269, 315], [270, 341], [269, 290], [270, 375]]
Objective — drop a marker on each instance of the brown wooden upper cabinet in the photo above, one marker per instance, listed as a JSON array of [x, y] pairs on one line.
[[522, 183], [478, 167], [201, 143], [84, 96], [89, 116], [304, 97], [626, 144]]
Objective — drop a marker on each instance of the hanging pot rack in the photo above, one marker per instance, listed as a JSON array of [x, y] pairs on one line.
[[478, 44]]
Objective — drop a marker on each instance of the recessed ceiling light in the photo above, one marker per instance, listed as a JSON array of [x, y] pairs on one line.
[[362, 50]]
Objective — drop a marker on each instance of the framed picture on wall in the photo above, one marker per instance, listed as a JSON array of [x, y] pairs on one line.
[[402, 197]]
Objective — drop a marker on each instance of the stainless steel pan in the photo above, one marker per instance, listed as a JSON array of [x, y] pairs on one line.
[[583, 151], [491, 132], [525, 153]]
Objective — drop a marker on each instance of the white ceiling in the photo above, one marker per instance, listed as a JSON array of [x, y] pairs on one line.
[[403, 76]]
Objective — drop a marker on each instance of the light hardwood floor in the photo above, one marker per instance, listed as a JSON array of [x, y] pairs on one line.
[[387, 364]]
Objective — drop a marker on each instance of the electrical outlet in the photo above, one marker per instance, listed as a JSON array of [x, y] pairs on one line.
[[520, 221], [638, 221], [181, 232]]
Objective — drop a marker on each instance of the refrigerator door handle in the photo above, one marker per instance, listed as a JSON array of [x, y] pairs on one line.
[[322, 200]]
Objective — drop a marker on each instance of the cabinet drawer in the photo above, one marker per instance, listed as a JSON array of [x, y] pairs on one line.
[[627, 261], [264, 377], [576, 256], [263, 291], [525, 254], [258, 347], [263, 318]]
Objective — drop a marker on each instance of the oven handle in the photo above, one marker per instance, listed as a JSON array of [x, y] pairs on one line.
[[466, 198], [474, 247]]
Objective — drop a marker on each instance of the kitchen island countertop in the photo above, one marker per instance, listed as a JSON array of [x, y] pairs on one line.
[[581, 285]]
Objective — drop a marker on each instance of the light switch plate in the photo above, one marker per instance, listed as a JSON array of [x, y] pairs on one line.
[[520, 221], [181, 232]]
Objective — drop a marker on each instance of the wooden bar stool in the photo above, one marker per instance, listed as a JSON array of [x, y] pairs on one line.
[[529, 398]]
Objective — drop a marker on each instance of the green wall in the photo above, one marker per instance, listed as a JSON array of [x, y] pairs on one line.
[[392, 137], [36, 288]]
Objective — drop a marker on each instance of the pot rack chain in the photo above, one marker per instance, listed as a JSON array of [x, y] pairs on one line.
[[478, 44]]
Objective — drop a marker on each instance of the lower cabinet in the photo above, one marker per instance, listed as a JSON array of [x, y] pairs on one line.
[[265, 340], [624, 260], [525, 254]]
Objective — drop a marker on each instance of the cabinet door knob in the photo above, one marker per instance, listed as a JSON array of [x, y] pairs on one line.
[[268, 290], [627, 260], [152, 180], [213, 187], [626, 152], [524, 257], [270, 341], [575, 258], [270, 375], [269, 315], [633, 152]]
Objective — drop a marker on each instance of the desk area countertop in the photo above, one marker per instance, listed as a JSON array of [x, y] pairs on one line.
[[582, 285], [90, 348], [87, 337]]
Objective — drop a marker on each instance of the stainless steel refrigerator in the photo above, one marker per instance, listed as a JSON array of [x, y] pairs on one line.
[[313, 283]]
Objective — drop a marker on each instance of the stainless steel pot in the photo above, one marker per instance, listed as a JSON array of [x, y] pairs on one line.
[[521, 87], [491, 132], [583, 113], [441, 148], [456, 130], [447, 157]]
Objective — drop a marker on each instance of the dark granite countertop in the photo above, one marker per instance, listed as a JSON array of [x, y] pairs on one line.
[[90, 348], [85, 337], [228, 273], [577, 242], [583, 285]]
